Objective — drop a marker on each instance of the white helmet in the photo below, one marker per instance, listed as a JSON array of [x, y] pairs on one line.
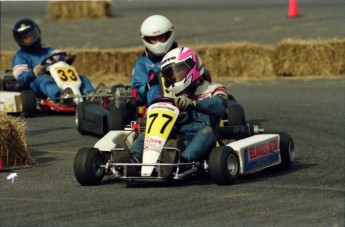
[[155, 26], [181, 68]]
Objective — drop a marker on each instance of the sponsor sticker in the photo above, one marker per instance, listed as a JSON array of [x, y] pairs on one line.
[[261, 155]]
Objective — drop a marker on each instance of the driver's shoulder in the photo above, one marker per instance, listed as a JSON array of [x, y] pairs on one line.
[[207, 87]]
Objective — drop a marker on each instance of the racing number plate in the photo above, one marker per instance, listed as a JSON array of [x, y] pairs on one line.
[[160, 123], [67, 74]]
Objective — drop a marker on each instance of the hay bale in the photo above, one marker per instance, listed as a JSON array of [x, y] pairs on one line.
[[309, 57], [6, 60], [116, 64], [13, 148], [234, 60], [231, 60], [79, 9]]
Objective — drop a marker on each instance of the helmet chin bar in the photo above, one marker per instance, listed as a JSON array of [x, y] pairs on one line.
[[182, 86], [159, 48]]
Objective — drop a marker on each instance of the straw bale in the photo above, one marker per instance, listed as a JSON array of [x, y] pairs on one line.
[[80, 9], [309, 57], [13, 147], [6, 60], [230, 60], [235, 60], [96, 63]]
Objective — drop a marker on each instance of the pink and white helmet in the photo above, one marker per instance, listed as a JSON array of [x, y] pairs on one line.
[[181, 68]]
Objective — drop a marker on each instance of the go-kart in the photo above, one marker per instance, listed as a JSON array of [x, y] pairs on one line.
[[109, 109], [115, 109], [248, 151], [15, 97]]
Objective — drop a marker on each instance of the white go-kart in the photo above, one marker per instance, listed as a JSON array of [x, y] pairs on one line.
[[16, 98], [247, 150]]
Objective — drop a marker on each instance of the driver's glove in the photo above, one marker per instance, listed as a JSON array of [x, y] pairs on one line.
[[39, 69], [70, 57], [153, 79], [183, 102]]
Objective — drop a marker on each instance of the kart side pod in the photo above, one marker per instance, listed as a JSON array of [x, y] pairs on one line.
[[257, 152]]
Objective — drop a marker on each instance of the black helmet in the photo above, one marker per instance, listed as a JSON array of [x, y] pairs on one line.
[[27, 34]]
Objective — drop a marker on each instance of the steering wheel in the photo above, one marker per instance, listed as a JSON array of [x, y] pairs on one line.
[[184, 116], [52, 59], [163, 99]]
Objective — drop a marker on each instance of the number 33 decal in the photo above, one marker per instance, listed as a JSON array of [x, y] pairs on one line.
[[67, 74]]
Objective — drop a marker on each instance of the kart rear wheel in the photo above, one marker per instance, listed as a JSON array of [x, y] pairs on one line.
[[28, 102], [287, 150], [115, 120], [87, 166], [236, 115], [79, 116], [116, 86], [223, 165]]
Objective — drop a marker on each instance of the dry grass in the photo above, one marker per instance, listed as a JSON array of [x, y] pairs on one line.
[[312, 57], [224, 61], [79, 9], [13, 147], [236, 60]]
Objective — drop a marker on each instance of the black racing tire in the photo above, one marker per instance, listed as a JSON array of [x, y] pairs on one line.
[[87, 169], [79, 119], [287, 150], [223, 165], [231, 99], [115, 120], [28, 103], [129, 112], [236, 115]]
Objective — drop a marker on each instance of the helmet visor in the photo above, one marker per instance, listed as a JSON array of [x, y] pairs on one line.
[[175, 72], [28, 38], [159, 38]]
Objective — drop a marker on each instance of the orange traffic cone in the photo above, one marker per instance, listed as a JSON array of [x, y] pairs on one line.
[[293, 9]]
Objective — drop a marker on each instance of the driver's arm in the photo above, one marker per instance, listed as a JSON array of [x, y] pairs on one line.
[[217, 105], [138, 82], [21, 70]]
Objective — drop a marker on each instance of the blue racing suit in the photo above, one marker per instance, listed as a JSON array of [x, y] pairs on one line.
[[146, 64], [140, 78], [43, 85], [198, 132]]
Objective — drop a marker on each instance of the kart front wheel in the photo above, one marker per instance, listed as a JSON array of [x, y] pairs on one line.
[[88, 168], [28, 102], [223, 165]]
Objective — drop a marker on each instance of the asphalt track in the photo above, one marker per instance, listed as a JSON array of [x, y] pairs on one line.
[[310, 194], [195, 21]]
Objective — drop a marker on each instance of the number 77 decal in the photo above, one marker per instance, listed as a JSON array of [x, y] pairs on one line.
[[154, 117]]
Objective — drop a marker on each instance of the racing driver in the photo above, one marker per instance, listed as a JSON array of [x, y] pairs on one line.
[[157, 34], [205, 103], [27, 66]]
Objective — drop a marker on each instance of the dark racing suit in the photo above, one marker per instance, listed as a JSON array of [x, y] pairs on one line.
[[198, 132], [44, 85]]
